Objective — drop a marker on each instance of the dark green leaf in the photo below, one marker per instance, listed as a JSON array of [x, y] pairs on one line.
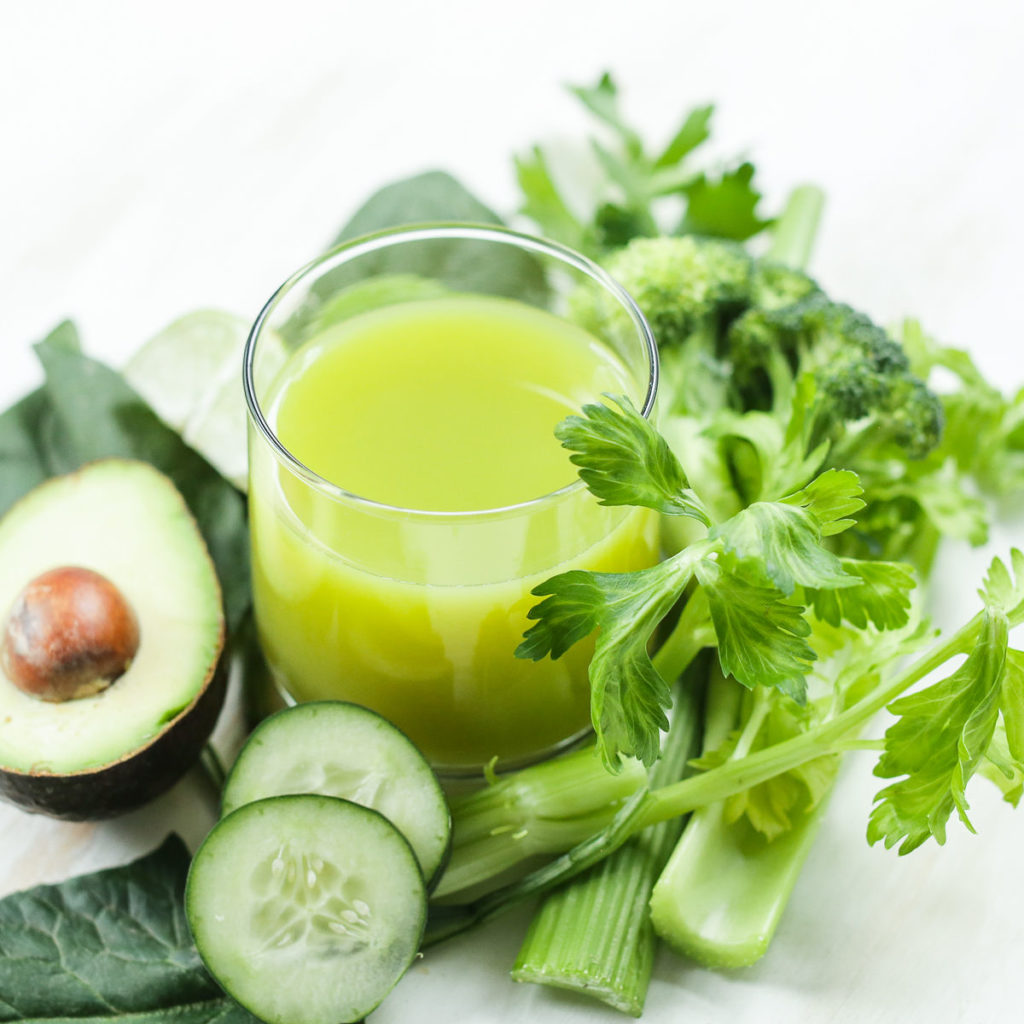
[[457, 264], [23, 460], [623, 460], [431, 196], [96, 415], [615, 225], [30, 446], [108, 946], [724, 208]]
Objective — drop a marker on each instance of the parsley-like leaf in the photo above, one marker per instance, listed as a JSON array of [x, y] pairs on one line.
[[725, 207], [760, 634], [628, 696], [544, 204], [602, 100], [881, 598], [695, 129], [623, 460], [830, 498], [942, 734], [785, 542]]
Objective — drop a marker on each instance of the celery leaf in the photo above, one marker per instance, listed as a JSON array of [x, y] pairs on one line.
[[942, 734], [623, 460], [760, 634], [628, 696], [881, 598]]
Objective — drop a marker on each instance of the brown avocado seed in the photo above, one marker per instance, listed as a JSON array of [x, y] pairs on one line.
[[70, 633]]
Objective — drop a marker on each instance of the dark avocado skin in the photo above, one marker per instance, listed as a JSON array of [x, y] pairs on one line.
[[130, 782]]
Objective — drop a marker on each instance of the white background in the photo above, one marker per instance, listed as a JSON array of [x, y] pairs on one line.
[[155, 159]]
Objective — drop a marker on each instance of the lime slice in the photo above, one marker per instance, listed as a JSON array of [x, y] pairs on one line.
[[191, 374]]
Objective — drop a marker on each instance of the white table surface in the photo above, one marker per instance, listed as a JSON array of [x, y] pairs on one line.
[[156, 159]]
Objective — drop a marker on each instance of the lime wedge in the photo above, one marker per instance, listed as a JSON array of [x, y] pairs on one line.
[[191, 374]]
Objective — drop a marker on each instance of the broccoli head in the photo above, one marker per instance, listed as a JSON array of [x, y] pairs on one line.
[[765, 325], [681, 284]]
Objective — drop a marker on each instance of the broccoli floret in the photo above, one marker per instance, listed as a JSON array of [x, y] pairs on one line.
[[681, 284], [774, 286], [763, 325], [860, 372]]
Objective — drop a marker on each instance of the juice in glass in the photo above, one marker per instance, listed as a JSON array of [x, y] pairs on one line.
[[420, 497]]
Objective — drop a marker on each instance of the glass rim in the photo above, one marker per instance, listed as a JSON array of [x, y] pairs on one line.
[[425, 232]]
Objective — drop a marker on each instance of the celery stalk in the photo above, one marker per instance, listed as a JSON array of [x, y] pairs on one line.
[[594, 935], [542, 810], [723, 891], [720, 898]]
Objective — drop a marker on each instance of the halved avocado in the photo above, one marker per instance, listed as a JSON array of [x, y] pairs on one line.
[[125, 548]]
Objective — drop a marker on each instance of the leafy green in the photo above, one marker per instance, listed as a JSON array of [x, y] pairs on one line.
[[749, 569], [944, 732], [635, 182], [30, 446], [455, 264], [723, 207], [623, 460], [882, 598], [106, 946], [628, 696], [760, 635], [91, 413]]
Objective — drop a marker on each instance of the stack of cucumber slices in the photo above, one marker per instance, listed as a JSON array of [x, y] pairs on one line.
[[334, 829]]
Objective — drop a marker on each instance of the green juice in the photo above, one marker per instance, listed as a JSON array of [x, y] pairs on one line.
[[411, 598]]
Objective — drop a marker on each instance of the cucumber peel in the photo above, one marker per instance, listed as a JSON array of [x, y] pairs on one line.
[[306, 909]]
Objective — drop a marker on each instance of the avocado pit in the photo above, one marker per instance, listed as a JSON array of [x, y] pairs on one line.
[[70, 633]]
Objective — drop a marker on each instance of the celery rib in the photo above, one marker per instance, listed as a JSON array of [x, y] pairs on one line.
[[542, 810], [594, 935], [724, 889]]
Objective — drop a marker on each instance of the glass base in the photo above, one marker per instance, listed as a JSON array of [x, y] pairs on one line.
[[462, 777]]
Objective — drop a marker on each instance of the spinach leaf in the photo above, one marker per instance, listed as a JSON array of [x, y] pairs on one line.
[[86, 411], [30, 448], [108, 945], [455, 264]]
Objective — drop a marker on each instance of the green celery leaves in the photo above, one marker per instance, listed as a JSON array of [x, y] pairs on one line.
[[628, 696], [630, 199], [759, 571], [623, 460], [949, 730]]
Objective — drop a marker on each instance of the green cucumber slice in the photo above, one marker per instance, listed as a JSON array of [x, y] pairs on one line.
[[345, 750], [306, 909]]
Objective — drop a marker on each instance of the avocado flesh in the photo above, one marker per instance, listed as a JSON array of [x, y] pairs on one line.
[[126, 521]]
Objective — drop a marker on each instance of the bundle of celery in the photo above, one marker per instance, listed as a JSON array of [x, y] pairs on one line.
[[805, 473]]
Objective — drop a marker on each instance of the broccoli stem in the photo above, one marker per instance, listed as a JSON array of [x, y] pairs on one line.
[[649, 807], [794, 232], [594, 935]]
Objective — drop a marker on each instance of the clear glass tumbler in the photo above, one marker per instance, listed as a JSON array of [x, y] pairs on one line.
[[416, 611]]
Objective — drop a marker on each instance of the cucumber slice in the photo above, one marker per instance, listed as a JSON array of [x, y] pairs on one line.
[[306, 909], [345, 750]]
